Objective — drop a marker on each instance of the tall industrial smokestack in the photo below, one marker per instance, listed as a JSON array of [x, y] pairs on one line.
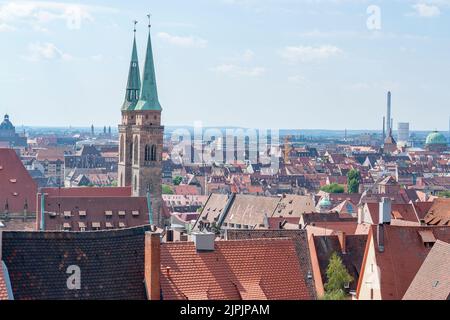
[[388, 116]]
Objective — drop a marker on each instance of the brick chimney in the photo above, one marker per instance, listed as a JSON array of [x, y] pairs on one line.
[[153, 265], [341, 236]]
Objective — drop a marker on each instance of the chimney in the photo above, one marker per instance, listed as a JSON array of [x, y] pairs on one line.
[[384, 211], [388, 116], [204, 241], [169, 235], [342, 241], [153, 265]]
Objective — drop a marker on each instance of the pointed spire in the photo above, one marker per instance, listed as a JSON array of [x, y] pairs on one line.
[[149, 96], [134, 81]]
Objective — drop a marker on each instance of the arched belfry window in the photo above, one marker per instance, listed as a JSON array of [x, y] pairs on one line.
[[130, 151], [136, 150], [122, 147], [153, 153], [147, 153]]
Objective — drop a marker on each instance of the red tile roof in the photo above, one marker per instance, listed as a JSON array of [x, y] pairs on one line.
[[432, 281], [17, 186], [130, 211], [51, 154], [88, 192], [239, 269], [186, 190], [300, 239], [439, 213], [3, 288], [403, 212], [404, 253]]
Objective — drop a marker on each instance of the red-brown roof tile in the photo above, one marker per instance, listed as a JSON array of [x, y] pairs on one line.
[[17, 188], [404, 253], [241, 269]]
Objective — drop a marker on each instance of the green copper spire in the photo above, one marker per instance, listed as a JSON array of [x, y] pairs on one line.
[[134, 79], [149, 95]]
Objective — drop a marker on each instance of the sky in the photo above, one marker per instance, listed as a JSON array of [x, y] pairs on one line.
[[294, 64]]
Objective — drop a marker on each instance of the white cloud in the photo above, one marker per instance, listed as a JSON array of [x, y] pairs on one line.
[[46, 51], [5, 27], [187, 42], [235, 70], [427, 11], [298, 79], [307, 53], [40, 13]]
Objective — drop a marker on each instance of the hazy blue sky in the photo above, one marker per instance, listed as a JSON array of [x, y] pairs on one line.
[[260, 63]]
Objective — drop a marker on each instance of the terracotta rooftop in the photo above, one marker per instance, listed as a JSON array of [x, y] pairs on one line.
[[432, 281], [93, 213], [88, 192], [111, 264], [404, 254], [439, 213], [3, 286], [403, 212], [17, 187], [301, 247], [241, 269]]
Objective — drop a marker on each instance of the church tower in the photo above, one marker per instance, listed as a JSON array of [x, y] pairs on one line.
[[141, 135], [128, 119]]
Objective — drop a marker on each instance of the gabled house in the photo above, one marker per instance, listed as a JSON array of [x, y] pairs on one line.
[[393, 256]]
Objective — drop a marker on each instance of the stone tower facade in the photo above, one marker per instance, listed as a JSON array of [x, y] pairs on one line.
[[141, 135]]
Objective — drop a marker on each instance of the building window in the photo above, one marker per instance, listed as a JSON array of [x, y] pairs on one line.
[[135, 183], [122, 147], [147, 153], [153, 153], [131, 151], [136, 150]]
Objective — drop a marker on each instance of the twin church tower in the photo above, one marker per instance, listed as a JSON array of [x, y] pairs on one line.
[[141, 132]]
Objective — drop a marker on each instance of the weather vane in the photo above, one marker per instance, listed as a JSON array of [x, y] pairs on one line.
[[149, 17], [135, 23]]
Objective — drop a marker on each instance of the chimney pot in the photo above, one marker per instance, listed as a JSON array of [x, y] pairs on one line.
[[385, 210], [204, 241]]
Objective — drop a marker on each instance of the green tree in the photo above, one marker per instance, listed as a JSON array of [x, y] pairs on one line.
[[444, 194], [353, 180], [177, 180], [333, 188], [166, 189], [338, 277]]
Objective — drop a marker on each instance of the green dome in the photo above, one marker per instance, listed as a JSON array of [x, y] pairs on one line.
[[436, 138], [325, 203]]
